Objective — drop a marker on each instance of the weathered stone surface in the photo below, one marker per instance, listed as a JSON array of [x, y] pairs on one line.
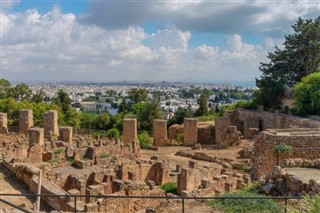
[[65, 134], [36, 136], [159, 132], [3, 123], [25, 120], [50, 123], [174, 130], [221, 124], [129, 130], [190, 131]]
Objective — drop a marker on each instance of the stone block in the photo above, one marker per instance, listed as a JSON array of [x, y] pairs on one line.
[[25, 120], [36, 136], [159, 132], [221, 124], [50, 123], [129, 130], [65, 134], [3, 123], [190, 131]]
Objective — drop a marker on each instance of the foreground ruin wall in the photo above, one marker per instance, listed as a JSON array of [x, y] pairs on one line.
[[246, 120], [281, 183], [305, 144]]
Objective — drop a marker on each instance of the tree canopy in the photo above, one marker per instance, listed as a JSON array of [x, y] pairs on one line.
[[299, 57], [307, 97]]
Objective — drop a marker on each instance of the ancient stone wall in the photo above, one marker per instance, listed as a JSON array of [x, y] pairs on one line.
[[25, 120], [50, 123], [305, 144], [268, 120], [174, 130], [279, 182], [206, 133], [129, 130], [190, 131], [221, 124], [159, 132], [65, 134], [3, 123]]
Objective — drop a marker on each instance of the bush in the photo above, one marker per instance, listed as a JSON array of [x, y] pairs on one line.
[[52, 161], [113, 133], [144, 140], [170, 187], [105, 155], [246, 205], [180, 138], [282, 149], [310, 204], [57, 151]]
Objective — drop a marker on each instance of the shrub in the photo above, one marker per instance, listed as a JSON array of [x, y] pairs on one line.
[[310, 204], [105, 155], [54, 160], [282, 149], [57, 151], [246, 205], [180, 138], [144, 140], [113, 133], [170, 187]]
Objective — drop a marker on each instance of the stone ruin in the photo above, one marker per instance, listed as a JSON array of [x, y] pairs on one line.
[[25, 120], [75, 164], [50, 123], [3, 123]]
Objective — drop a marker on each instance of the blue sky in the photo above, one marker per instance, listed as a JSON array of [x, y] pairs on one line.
[[198, 40]]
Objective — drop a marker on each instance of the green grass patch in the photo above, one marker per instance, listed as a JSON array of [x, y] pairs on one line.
[[54, 160], [246, 205], [170, 188], [105, 155], [58, 151], [207, 117]]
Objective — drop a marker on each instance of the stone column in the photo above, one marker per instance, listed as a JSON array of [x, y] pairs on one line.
[[50, 123], [36, 143], [65, 134], [129, 133], [159, 132], [221, 124], [3, 123], [36, 136], [188, 180], [25, 120], [190, 131], [247, 124]]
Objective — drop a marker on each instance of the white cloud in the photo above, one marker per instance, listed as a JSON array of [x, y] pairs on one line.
[[54, 46]]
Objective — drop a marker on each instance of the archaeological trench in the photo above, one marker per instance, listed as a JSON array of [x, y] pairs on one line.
[[216, 157]]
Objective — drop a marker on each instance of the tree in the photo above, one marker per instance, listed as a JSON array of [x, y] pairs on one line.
[[63, 101], [4, 86], [203, 106], [39, 96], [307, 97], [179, 116], [299, 57], [138, 95], [123, 107], [20, 92]]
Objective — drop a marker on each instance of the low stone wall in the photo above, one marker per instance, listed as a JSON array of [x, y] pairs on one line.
[[245, 119], [280, 183], [305, 144]]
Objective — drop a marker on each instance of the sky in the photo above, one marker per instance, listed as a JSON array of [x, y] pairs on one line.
[[143, 40]]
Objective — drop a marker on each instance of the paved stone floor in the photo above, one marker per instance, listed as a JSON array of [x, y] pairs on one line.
[[305, 174]]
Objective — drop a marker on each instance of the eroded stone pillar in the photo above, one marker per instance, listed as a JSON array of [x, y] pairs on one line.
[[3, 123], [129, 133], [50, 123], [159, 132], [65, 134], [188, 180], [25, 120], [190, 131], [36, 143], [221, 124], [36, 136]]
